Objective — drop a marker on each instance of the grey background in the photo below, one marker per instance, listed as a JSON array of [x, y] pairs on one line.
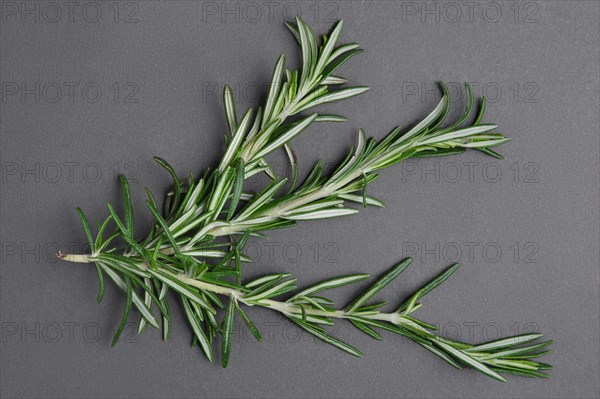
[[531, 220]]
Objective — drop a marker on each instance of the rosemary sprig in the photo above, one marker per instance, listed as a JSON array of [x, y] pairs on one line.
[[195, 247]]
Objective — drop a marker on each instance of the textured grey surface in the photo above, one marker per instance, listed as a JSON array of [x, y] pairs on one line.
[[526, 229]]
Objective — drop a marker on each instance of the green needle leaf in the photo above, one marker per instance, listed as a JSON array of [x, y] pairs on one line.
[[86, 228], [185, 290], [237, 188], [124, 231], [427, 288], [171, 171], [227, 333], [327, 338], [248, 322], [101, 283], [331, 97], [470, 361], [98, 243], [480, 113], [164, 226], [137, 301], [367, 330], [230, 113], [198, 331], [506, 342], [441, 354], [274, 89], [125, 313], [379, 285], [127, 205], [287, 135], [331, 283]]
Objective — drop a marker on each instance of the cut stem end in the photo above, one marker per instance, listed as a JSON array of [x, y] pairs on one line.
[[73, 258]]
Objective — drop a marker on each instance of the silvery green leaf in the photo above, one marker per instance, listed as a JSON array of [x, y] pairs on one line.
[[275, 88], [517, 351], [184, 289], [487, 143], [312, 42], [307, 301], [506, 342], [192, 225], [331, 283], [437, 111], [334, 96], [320, 214], [330, 118], [334, 80], [261, 199], [346, 48], [327, 203], [293, 164], [163, 291], [457, 134], [256, 125], [212, 254], [287, 136], [470, 361], [359, 199], [306, 51], [441, 354], [266, 279], [362, 139], [327, 338], [258, 220], [197, 328], [285, 285], [236, 140], [329, 47], [182, 219], [267, 168], [280, 102], [137, 301], [194, 196], [221, 191], [230, 113], [148, 302]]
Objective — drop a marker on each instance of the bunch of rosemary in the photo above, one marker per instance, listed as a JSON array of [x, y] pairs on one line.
[[196, 246]]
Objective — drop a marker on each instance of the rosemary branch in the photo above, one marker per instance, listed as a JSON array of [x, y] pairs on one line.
[[195, 247]]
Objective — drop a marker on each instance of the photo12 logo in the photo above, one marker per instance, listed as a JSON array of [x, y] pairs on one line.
[[518, 252], [56, 172], [69, 92], [246, 92], [430, 171], [494, 92], [274, 252], [269, 11], [53, 332], [56, 12], [452, 12]]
